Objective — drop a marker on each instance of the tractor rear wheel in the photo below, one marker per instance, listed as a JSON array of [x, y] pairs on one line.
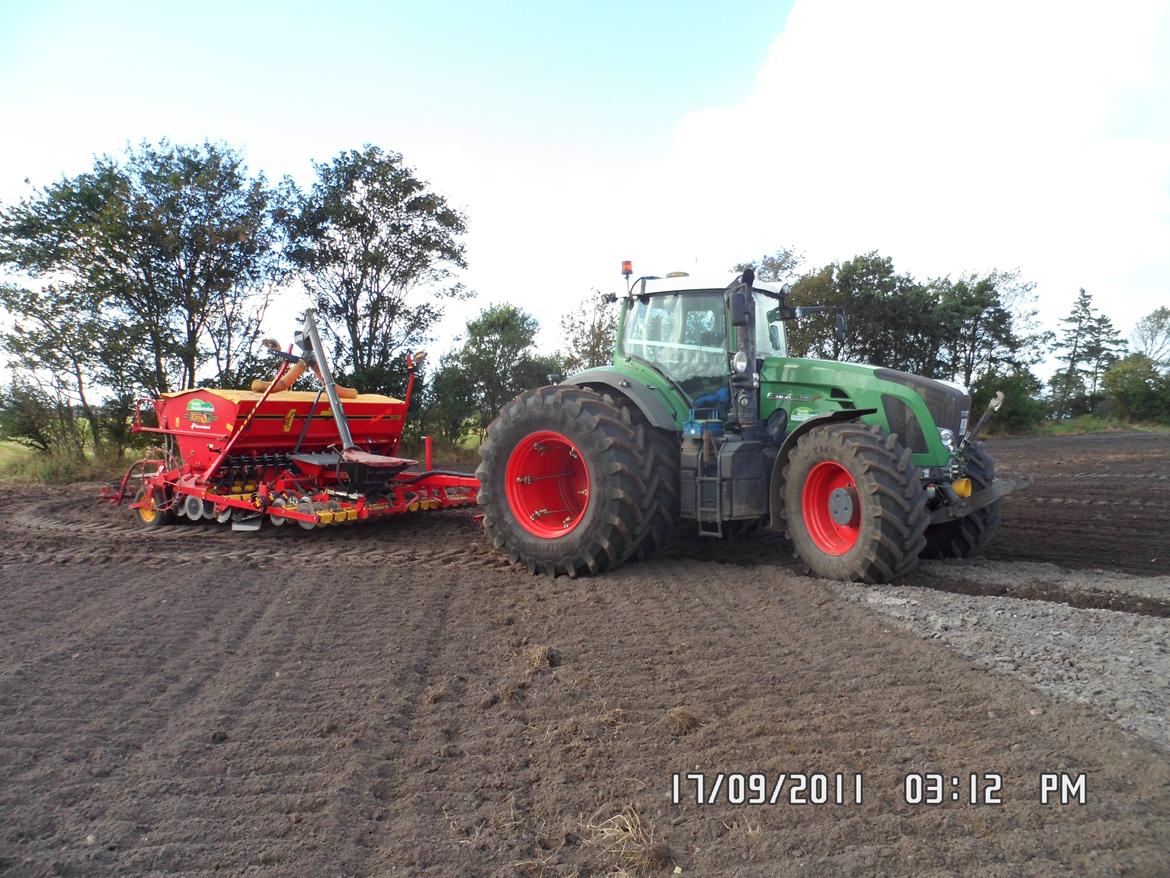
[[854, 505], [966, 536], [561, 482]]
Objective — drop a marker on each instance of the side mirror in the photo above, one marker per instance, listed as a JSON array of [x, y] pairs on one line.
[[739, 309], [842, 327]]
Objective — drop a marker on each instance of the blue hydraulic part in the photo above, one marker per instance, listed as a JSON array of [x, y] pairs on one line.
[[700, 421]]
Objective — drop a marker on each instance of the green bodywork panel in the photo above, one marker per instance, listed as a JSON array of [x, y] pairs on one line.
[[805, 389]]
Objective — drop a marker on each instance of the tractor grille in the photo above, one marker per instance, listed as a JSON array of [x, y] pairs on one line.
[[903, 422], [948, 406]]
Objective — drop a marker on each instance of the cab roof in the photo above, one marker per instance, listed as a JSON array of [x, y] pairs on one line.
[[698, 282]]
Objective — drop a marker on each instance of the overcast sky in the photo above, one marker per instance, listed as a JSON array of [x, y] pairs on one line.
[[951, 137]]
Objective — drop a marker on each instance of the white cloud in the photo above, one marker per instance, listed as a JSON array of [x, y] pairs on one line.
[[951, 137]]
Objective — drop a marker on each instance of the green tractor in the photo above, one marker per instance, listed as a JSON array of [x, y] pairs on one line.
[[704, 417]]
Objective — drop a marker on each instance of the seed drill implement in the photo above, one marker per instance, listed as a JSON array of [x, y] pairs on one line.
[[324, 457]]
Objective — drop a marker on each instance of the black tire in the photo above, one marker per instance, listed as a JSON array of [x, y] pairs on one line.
[[614, 519], [966, 536], [889, 508], [661, 460], [149, 518]]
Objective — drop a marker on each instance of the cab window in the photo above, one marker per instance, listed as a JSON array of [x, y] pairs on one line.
[[684, 335]]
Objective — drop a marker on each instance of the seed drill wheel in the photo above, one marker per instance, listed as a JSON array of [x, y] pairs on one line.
[[562, 482], [308, 507], [854, 505], [149, 517], [277, 520], [966, 536]]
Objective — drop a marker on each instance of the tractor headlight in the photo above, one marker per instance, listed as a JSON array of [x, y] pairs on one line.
[[739, 362], [947, 437]]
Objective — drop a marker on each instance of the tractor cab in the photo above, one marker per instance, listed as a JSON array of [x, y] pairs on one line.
[[679, 327]]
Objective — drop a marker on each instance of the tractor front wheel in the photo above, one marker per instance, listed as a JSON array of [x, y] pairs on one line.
[[561, 482], [854, 506]]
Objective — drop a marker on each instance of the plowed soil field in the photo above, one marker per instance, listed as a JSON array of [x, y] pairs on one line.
[[396, 700]]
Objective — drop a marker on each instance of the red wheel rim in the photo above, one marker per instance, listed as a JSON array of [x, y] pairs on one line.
[[830, 489], [547, 484]]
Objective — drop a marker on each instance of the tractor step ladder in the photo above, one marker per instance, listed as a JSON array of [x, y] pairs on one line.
[[709, 501]]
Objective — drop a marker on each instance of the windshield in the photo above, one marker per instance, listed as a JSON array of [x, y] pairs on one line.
[[684, 335]]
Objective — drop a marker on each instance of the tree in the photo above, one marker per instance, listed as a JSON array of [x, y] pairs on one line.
[[780, 267], [983, 325], [1091, 345], [1022, 409], [1134, 389], [1104, 346], [166, 245], [375, 248], [588, 331], [1070, 383], [448, 401], [29, 416], [56, 341], [892, 320], [496, 362], [1151, 337]]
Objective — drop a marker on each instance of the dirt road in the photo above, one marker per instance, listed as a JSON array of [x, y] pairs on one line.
[[393, 700]]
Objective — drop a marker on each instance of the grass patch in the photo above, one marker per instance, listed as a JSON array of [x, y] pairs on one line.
[[463, 454], [1096, 424], [1080, 426], [13, 453], [21, 464]]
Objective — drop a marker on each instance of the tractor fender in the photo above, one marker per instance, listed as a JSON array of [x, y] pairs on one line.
[[647, 401], [776, 491]]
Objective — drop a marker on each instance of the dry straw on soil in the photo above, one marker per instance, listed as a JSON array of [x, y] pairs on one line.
[[542, 656], [435, 692], [680, 721], [627, 839]]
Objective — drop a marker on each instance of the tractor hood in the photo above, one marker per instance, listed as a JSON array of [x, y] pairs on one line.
[[868, 386], [824, 371]]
